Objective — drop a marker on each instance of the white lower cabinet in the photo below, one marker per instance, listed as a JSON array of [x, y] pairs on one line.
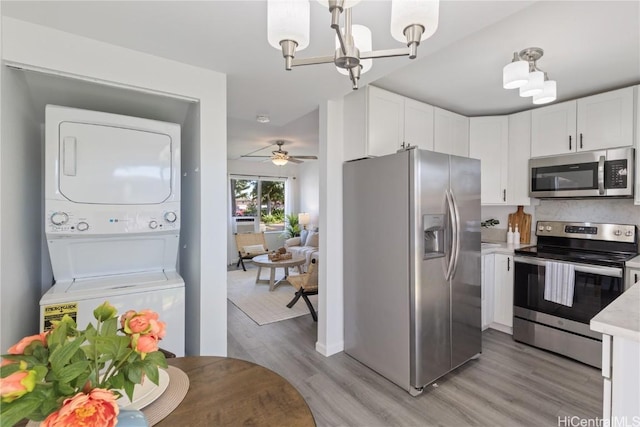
[[621, 372], [503, 293], [488, 272], [632, 276]]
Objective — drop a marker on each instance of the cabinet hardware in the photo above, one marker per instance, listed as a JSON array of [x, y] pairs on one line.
[[504, 195], [580, 140], [569, 142], [508, 264], [635, 277]]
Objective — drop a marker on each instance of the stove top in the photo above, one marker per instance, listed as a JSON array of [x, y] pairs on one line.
[[585, 243]]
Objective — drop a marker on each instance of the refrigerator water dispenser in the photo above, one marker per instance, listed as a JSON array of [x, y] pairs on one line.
[[433, 226]]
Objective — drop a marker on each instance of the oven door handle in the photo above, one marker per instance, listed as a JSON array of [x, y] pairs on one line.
[[583, 268]]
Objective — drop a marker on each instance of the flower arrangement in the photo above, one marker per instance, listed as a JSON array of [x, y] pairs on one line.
[[72, 377]]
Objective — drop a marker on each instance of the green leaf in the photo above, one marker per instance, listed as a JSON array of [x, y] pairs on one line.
[[72, 371], [152, 373], [63, 354], [20, 408], [109, 327], [128, 389]]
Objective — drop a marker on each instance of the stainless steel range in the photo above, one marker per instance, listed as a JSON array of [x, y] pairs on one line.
[[581, 267]]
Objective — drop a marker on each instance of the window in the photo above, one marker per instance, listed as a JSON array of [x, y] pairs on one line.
[[259, 197]]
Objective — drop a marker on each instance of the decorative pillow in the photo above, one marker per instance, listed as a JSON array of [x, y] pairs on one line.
[[252, 249], [303, 235], [312, 239], [294, 241]]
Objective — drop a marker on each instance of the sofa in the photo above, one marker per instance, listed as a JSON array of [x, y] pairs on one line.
[[306, 245]]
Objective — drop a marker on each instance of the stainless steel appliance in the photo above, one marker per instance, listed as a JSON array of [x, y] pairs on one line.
[[597, 254], [605, 173], [412, 287]]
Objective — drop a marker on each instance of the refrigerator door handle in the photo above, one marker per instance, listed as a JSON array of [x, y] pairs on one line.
[[454, 235], [456, 232]]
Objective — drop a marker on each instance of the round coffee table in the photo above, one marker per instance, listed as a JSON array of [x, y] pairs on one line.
[[264, 261]]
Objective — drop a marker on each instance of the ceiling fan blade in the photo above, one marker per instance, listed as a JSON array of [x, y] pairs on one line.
[[294, 160], [306, 157], [264, 157]]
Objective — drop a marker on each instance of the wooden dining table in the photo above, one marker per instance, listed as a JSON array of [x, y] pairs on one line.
[[224, 391]]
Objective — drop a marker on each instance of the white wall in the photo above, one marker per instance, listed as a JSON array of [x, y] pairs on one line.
[[203, 260], [330, 297], [309, 189]]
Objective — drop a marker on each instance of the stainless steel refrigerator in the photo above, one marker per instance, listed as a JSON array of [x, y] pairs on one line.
[[412, 285]]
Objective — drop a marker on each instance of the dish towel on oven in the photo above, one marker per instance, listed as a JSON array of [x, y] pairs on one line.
[[559, 281]]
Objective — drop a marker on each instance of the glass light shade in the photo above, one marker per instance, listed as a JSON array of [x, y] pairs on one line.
[[288, 20], [405, 13], [279, 161], [304, 218], [548, 93], [362, 39], [534, 85], [515, 74], [347, 3]]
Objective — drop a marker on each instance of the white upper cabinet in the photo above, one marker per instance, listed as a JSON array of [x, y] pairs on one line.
[[488, 141], [553, 129], [378, 122], [519, 154], [637, 187], [591, 123], [451, 133]]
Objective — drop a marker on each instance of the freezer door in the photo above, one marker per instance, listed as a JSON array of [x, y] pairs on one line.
[[466, 317], [430, 297], [113, 165]]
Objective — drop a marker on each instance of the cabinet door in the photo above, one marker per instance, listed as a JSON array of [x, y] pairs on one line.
[[637, 188], [488, 278], [418, 124], [632, 276], [519, 154], [503, 311], [451, 133], [606, 120], [553, 129], [385, 122], [488, 141]]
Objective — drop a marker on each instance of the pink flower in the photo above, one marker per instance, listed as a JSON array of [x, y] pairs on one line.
[[17, 385], [24, 342], [6, 362], [128, 315], [98, 408], [141, 322], [144, 344], [158, 328]]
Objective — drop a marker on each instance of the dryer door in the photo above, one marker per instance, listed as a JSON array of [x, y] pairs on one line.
[[111, 165]]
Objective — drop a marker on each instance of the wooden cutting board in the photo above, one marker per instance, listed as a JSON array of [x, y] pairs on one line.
[[523, 220]]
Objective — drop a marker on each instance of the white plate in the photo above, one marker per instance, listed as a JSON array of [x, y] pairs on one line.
[[145, 393]]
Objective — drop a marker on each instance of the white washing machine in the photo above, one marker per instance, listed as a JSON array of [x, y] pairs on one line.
[[112, 217]]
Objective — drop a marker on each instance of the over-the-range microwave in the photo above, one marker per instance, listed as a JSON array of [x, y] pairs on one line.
[[604, 173]]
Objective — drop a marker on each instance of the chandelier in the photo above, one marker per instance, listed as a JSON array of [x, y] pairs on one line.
[[288, 30], [523, 73]]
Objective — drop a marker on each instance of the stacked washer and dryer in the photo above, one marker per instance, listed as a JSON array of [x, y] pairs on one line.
[[112, 217]]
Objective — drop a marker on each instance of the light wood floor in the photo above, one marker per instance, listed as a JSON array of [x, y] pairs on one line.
[[511, 384]]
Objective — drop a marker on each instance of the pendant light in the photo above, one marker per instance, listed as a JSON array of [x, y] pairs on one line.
[[523, 73]]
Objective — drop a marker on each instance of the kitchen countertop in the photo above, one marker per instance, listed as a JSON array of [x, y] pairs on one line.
[[500, 248], [621, 318], [634, 263]]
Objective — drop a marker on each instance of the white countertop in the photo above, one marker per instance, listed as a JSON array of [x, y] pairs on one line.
[[501, 248], [634, 263], [621, 318]]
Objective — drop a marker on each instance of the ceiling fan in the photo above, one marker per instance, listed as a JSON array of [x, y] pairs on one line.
[[281, 157]]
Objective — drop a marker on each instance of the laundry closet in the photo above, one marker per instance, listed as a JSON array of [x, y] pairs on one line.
[[26, 270]]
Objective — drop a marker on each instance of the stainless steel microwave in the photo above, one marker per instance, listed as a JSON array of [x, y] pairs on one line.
[[604, 173]]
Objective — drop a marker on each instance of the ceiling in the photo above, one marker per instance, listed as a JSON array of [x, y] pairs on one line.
[[590, 46]]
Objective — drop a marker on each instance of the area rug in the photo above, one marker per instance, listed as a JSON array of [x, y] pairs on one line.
[[262, 306]]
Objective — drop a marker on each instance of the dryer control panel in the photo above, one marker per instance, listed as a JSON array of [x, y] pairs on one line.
[[62, 220]]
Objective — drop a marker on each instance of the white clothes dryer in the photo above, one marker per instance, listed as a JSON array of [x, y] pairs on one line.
[[112, 217]]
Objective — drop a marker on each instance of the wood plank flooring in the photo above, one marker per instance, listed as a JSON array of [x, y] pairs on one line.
[[511, 384]]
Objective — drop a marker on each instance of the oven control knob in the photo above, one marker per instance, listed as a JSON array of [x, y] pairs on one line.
[[170, 216], [617, 232], [541, 228], [629, 233], [548, 228], [82, 226], [153, 225], [59, 218]]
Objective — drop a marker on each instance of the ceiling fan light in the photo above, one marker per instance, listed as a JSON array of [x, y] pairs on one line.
[[548, 94], [515, 74], [288, 20], [405, 13], [534, 86], [279, 161], [362, 40]]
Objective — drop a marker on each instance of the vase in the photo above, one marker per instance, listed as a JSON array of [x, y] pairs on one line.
[[132, 418]]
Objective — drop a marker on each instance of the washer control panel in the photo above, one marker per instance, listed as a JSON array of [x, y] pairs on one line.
[[97, 222]]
